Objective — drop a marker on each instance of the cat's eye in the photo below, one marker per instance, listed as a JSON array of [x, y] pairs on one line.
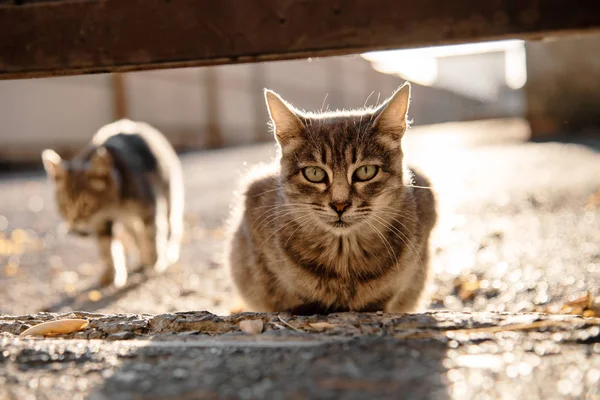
[[365, 173], [314, 174]]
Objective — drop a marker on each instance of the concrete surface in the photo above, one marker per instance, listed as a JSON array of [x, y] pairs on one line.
[[370, 356], [518, 233]]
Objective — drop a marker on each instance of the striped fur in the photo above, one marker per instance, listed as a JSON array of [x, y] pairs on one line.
[[292, 250], [129, 177]]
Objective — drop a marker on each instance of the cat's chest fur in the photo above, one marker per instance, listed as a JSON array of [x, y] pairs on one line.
[[128, 212], [349, 272]]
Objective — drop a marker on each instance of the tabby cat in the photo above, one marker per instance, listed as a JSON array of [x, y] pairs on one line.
[[128, 177], [339, 223]]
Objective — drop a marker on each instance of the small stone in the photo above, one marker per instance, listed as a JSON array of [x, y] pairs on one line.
[[121, 336], [321, 326], [180, 373], [252, 326]]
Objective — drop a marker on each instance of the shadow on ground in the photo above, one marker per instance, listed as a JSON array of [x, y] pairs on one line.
[[294, 368]]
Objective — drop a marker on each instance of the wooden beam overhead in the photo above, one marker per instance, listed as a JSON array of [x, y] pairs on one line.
[[58, 37]]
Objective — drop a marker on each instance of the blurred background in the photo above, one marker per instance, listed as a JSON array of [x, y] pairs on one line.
[[508, 132], [553, 84]]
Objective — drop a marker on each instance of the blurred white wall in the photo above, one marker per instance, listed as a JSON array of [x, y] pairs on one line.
[[188, 105], [38, 113], [203, 107]]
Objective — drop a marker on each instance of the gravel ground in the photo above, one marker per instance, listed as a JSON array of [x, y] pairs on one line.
[[517, 219]]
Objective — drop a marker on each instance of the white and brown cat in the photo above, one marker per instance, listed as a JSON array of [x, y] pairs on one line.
[[128, 176]]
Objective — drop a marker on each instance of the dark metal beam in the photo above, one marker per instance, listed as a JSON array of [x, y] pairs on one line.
[[57, 37]]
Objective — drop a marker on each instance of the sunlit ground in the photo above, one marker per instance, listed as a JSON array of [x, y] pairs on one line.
[[518, 229]]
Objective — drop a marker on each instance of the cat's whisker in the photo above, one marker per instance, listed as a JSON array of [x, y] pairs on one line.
[[277, 208], [372, 114], [404, 186], [275, 216], [408, 242], [278, 211], [404, 238], [282, 205], [361, 117], [281, 227], [396, 211], [324, 100], [387, 244], [267, 191], [312, 230], [419, 187], [405, 218], [400, 214], [399, 190], [300, 225]]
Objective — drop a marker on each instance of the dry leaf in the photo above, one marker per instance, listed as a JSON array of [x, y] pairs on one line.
[[252, 326], [61, 326], [321, 326], [468, 290], [585, 305], [278, 325], [584, 301], [283, 321], [467, 286], [589, 314]]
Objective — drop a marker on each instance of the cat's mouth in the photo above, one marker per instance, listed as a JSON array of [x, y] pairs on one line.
[[78, 232], [340, 224], [78, 229]]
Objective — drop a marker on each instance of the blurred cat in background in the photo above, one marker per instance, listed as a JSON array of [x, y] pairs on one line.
[[128, 177]]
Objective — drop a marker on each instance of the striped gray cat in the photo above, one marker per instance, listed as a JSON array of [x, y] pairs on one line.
[[128, 178], [340, 222]]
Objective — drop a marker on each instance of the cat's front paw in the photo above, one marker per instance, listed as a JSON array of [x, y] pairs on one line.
[[112, 277], [161, 265], [107, 278], [173, 253]]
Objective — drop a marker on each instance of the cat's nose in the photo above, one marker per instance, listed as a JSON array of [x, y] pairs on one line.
[[340, 207]]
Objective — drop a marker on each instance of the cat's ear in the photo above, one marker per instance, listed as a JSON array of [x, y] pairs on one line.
[[101, 161], [392, 114], [286, 123], [53, 164]]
